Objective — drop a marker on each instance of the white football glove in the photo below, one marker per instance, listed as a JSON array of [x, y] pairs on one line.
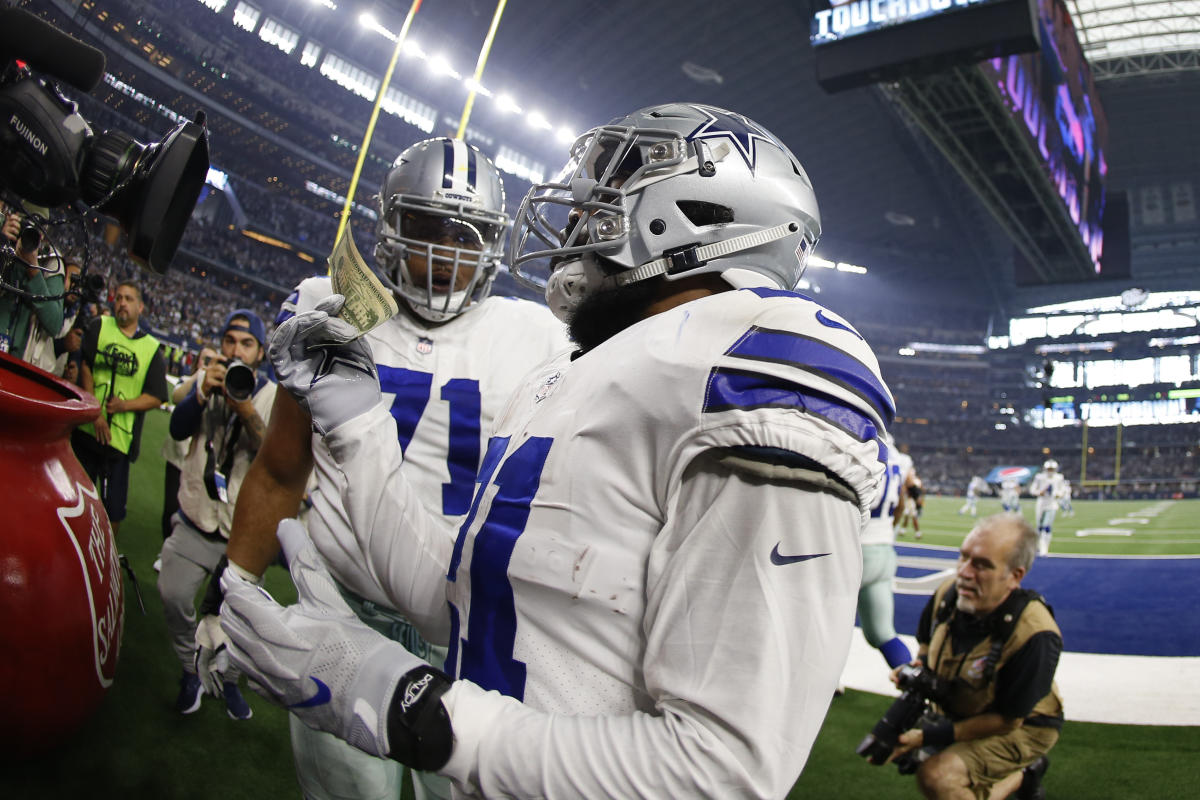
[[212, 654], [326, 365], [323, 664]]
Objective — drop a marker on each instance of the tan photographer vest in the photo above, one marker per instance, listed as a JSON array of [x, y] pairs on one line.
[[974, 687]]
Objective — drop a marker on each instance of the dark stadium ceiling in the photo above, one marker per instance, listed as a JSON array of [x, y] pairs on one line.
[[888, 200]]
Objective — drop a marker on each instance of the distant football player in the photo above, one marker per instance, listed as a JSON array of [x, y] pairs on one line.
[[1064, 498], [653, 592], [975, 487], [912, 503], [1010, 495], [876, 605], [1046, 486], [445, 364]]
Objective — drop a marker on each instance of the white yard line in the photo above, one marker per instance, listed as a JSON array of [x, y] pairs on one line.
[[1126, 690]]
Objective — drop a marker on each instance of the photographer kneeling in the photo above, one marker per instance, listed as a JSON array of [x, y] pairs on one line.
[[994, 648], [225, 414]]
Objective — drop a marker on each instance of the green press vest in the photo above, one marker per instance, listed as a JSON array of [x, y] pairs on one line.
[[120, 371], [973, 689]]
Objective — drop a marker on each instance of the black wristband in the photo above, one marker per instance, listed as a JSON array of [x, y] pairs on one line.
[[418, 727], [213, 596], [938, 734]]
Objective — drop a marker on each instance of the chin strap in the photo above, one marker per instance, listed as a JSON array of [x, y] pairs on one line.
[[687, 258]]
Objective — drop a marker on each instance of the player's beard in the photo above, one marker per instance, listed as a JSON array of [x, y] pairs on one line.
[[604, 313]]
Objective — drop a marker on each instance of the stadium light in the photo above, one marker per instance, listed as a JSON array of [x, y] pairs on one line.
[[326, 3], [506, 104], [413, 50], [822, 263], [564, 135], [842, 266], [440, 65], [537, 120], [477, 87], [368, 21]]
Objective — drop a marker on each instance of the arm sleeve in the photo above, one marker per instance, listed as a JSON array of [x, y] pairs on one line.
[[156, 378], [1026, 677], [741, 658], [402, 550], [49, 312], [925, 624], [91, 341], [186, 418]]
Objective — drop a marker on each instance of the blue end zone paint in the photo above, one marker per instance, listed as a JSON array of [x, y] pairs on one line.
[[1120, 606]]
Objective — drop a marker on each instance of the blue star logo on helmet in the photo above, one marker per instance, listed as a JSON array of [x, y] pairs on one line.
[[742, 132]]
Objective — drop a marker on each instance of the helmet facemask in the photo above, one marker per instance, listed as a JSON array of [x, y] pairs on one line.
[[460, 249]]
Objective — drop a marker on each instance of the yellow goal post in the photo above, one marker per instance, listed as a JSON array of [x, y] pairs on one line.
[[1083, 460]]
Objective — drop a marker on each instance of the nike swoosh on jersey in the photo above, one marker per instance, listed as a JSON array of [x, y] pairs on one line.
[[781, 560], [322, 696]]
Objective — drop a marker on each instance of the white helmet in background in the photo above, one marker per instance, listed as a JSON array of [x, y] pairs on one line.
[[1050, 466]]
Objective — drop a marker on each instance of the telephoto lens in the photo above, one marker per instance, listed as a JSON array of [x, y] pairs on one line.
[[239, 381]]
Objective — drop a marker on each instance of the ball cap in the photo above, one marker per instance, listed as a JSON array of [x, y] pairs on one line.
[[243, 319]]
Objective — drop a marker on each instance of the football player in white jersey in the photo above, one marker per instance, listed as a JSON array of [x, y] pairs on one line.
[[1010, 495], [446, 364], [876, 605], [654, 590], [974, 487], [1064, 498], [1046, 487]]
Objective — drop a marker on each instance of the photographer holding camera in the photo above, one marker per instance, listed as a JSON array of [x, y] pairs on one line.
[[31, 305], [225, 414], [991, 649]]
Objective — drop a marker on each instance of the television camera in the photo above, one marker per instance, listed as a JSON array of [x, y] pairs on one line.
[[50, 156]]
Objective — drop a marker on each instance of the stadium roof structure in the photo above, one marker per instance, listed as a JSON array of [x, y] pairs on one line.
[[889, 200], [1121, 37]]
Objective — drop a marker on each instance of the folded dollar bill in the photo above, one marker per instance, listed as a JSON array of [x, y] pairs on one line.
[[368, 302]]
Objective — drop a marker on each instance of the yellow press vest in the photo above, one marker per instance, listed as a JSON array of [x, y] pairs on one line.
[[973, 690], [119, 370]]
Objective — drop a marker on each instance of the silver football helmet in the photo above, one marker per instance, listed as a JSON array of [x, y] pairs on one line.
[[673, 190], [442, 202], [1050, 466]]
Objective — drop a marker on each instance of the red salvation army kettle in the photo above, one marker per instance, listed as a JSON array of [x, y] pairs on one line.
[[62, 603]]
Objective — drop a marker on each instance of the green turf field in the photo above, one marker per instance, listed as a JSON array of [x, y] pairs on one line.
[[1167, 527], [136, 746]]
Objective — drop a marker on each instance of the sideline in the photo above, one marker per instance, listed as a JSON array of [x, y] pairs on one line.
[[1118, 689]]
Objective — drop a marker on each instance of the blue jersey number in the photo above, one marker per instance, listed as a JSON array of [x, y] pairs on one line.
[[487, 649], [892, 473], [412, 390]]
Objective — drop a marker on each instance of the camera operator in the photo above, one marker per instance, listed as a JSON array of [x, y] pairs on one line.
[[994, 647], [22, 318], [123, 368], [225, 414], [70, 335]]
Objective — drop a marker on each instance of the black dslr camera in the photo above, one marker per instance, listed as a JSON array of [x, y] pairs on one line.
[[240, 379], [920, 685], [52, 158]]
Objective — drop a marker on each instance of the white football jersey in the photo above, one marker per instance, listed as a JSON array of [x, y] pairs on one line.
[[879, 528], [444, 385], [1045, 487], [976, 486], [1064, 490], [671, 626], [1010, 488]]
